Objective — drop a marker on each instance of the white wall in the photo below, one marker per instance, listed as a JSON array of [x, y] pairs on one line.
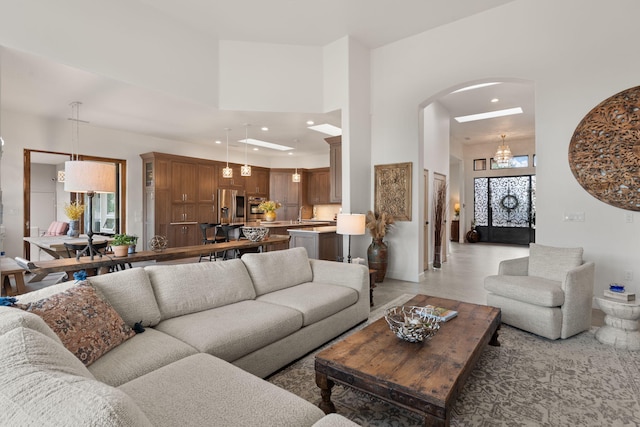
[[551, 44]]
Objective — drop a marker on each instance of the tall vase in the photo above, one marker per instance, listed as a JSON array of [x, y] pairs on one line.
[[270, 216], [74, 228], [437, 262], [377, 257]]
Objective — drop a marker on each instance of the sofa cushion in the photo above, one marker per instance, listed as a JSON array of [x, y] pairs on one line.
[[553, 263], [131, 295], [46, 292], [234, 330], [202, 390], [43, 384], [188, 288], [532, 290], [316, 301], [11, 318], [272, 271], [139, 355], [86, 324]]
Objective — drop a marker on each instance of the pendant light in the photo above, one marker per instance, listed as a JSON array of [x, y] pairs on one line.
[[227, 172], [296, 176], [503, 155], [246, 169]]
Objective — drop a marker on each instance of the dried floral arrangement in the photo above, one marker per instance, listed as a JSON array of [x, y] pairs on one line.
[[379, 224], [74, 210]]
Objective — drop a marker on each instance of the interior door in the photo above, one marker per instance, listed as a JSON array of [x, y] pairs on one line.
[[438, 181], [425, 226]]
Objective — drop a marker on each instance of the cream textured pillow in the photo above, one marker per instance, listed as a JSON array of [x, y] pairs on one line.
[[553, 263], [86, 324]]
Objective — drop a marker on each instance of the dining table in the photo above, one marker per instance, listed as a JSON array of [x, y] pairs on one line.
[[54, 245]]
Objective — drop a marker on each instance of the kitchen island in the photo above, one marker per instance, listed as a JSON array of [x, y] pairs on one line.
[[321, 242]]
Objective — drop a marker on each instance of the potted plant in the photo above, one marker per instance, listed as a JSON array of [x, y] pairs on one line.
[[134, 241], [269, 208], [74, 211], [378, 225], [120, 245]]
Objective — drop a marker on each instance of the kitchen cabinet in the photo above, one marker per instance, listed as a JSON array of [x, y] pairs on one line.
[[291, 194], [183, 182], [318, 188], [320, 242], [335, 168], [207, 190], [183, 235], [258, 183], [234, 183]]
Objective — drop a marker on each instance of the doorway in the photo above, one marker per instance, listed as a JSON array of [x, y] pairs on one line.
[[440, 181], [44, 196], [504, 209], [425, 227]]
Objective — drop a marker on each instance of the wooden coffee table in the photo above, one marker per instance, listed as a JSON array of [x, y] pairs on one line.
[[421, 377]]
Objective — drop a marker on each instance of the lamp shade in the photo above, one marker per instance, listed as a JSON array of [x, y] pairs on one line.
[[351, 224], [86, 177]]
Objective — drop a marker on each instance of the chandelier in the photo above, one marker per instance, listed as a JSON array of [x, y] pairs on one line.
[[503, 154]]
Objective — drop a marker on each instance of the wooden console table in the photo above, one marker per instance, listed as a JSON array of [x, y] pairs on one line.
[[42, 268]]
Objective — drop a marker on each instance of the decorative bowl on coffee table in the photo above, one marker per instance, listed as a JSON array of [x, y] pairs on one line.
[[411, 323], [255, 234]]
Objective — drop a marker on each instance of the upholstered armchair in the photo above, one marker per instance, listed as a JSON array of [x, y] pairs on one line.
[[548, 293]]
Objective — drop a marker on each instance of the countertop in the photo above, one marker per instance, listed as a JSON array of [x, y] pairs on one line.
[[317, 230]]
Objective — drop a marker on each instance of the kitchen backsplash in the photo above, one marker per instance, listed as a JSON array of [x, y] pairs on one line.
[[326, 212]]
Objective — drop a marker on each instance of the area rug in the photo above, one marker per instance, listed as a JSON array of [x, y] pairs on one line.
[[527, 381]]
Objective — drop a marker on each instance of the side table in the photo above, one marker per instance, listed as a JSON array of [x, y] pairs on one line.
[[621, 323]]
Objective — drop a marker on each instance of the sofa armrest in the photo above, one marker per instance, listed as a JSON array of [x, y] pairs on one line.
[[514, 267], [578, 299], [355, 276]]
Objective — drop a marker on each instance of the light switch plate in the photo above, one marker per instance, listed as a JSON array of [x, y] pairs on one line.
[[573, 216]]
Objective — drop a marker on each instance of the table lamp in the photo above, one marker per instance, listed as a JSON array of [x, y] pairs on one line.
[[351, 225], [89, 177]]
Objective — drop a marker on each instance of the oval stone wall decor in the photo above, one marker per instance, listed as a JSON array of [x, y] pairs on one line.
[[604, 153]]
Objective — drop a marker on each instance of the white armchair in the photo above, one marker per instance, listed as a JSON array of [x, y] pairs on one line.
[[548, 293]]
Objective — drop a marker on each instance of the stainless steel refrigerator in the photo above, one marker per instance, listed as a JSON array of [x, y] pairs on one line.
[[231, 206]]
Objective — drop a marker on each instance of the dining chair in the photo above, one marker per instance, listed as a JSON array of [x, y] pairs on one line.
[[207, 239]]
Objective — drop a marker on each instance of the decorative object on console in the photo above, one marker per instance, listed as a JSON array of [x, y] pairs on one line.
[[503, 154], [413, 324], [120, 245], [603, 152], [88, 177], [158, 243], [255, 234], [269, 208], [456, 210], [378, 224], [351, 225]]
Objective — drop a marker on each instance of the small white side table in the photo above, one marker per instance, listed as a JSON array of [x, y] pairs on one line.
[[621, 328]]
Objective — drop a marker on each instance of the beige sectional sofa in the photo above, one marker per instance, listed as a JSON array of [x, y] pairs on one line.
[[211, 331]]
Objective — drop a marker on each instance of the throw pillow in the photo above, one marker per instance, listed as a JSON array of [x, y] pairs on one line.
[[87, 325]]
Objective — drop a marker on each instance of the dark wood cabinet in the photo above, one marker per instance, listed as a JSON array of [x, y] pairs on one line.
[[335, 168], [258, 183], [291, 194], [455, 230], [318, 189]]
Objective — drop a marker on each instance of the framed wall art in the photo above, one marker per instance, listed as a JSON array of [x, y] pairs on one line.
[[393, 190], [479, 164]]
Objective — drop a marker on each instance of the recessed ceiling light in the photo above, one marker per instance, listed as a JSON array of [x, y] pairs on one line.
[[489, 115], [290, 153], [478, 86], [310, 122], [494, 100], [266, 144], [327, 128], [218, 141], [255, 149], [264, 128]]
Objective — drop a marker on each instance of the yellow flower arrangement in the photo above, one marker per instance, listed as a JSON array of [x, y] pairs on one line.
[[74, 210], [269, 206]]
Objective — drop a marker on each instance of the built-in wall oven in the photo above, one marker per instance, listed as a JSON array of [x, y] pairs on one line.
[[253, 212]]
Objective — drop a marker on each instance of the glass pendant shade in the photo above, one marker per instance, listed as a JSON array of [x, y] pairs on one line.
[[245, 170], [295, 177], [227, 172]]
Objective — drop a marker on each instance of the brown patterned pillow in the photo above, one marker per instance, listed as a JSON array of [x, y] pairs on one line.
[[87, 325]]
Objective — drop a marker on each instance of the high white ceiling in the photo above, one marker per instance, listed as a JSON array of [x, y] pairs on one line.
[[39, 86]]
